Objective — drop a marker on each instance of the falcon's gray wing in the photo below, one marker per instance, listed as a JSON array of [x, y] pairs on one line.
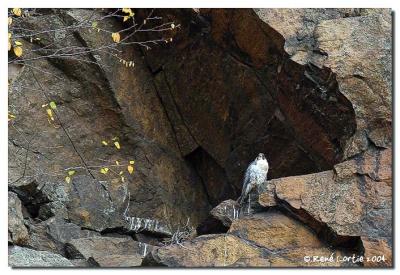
[[246, 180]]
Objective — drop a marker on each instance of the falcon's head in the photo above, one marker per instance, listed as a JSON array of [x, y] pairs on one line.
[[261, 162], [261, 156]]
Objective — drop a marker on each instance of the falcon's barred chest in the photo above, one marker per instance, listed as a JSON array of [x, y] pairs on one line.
[[256, 174]]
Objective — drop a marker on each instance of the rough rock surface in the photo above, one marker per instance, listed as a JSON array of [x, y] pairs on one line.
[[264, 240], [355, 44], [84, 93], [116, 261], [25, 257], [209, 251], [54, 233], [107, 251], [309, 110], [287, 239], [226, 212], [311, 88], [16, 227], [354, 199]]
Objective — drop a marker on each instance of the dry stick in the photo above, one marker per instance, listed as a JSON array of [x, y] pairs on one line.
[[62, 126], [59, 54]]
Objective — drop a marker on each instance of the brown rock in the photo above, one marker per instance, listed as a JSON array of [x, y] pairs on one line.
[[288, 240], [355, 44], [311, 88], [209, 251], [16, 227], [260, 61], [353, 200], [375, 164], [274, 230], [126, 101], [91, 206], [54, 233], [226, 212], [378, 252], [366, 84], [116, 261], [246, 91], [108, 251]]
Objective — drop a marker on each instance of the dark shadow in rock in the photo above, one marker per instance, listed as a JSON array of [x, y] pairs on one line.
[[212, 175], [31, 196], [211, 225]]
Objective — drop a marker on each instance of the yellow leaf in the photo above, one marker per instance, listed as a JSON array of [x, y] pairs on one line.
[[127, 10], [121, 172], [117, 162], [68, 179], [94, 24], [130, 169], [53, 105], [116, 37], [104, 170], [9, 44], [50, 114], [10, 116], [18, 43], [125, 18], [132, 162], [117, 145], [9, 35], [17, 11], [105, 143], [18, 51], [71, 172], [122, 178], [9, 21]]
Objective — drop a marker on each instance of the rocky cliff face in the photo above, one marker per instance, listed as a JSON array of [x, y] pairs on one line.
[[310, 88]]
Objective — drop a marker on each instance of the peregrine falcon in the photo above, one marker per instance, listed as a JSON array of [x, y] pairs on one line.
[[256, 174]]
